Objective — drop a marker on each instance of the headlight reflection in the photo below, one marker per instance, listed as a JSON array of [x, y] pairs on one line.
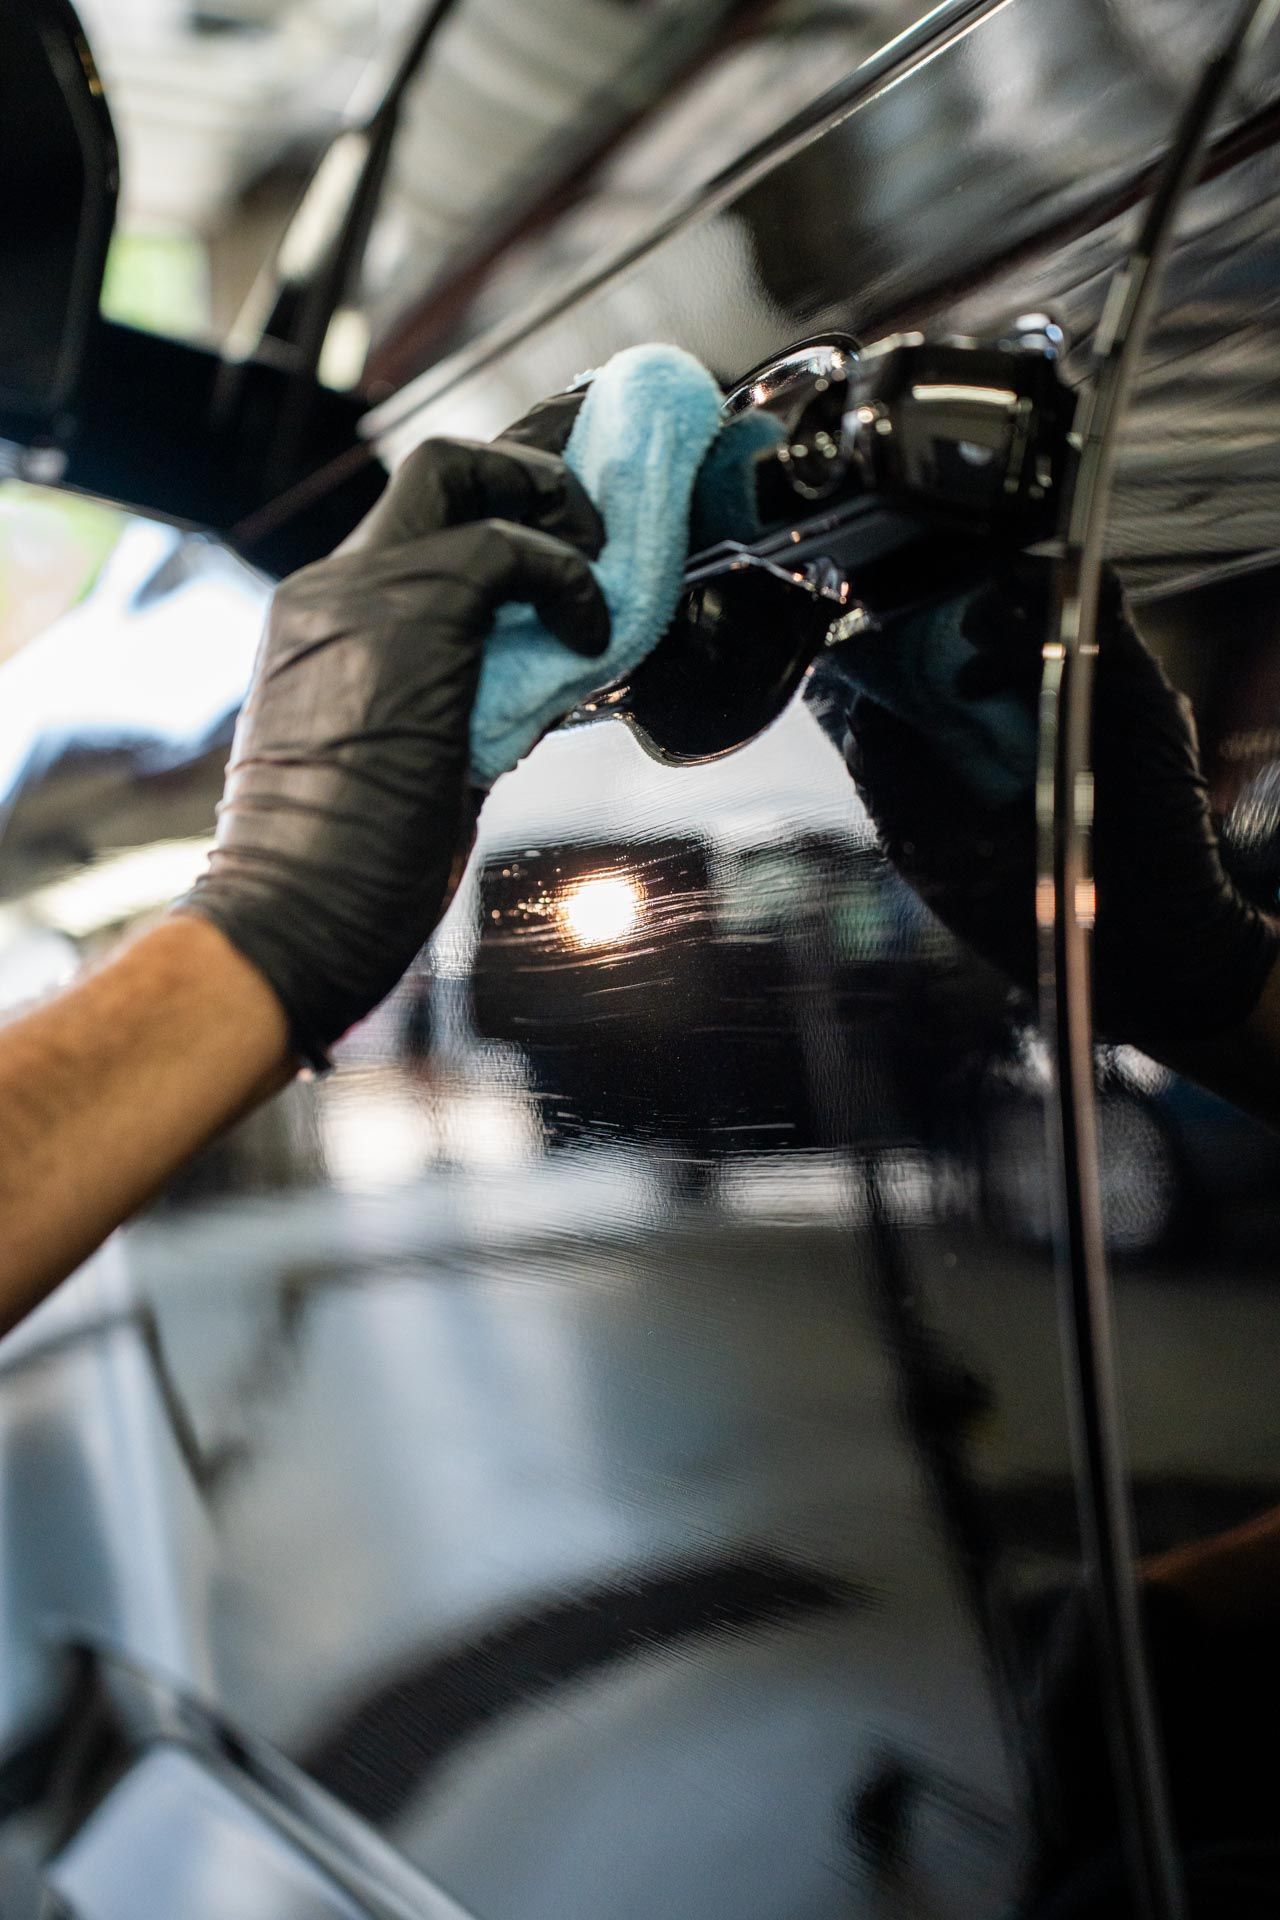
[[598, 911]]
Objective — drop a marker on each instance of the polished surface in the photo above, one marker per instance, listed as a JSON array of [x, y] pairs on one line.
[[533, 147], [996, 175], [171, 1836], [60, 173]]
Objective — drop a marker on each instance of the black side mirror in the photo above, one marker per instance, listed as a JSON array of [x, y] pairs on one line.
[[58, 186], [255, 449]]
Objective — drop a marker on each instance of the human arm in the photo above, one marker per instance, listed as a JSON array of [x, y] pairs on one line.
[[106, 1091], [1184, 964], [346, 815]]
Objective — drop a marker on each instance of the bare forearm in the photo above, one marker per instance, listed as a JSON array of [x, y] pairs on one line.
[[109, 1089]]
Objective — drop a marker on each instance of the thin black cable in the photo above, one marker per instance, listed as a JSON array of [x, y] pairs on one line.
[[1065, 912]]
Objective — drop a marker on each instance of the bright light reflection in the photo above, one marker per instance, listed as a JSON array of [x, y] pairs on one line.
[[120, 887], [596, 912]]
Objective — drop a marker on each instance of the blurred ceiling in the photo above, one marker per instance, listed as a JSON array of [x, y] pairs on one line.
[[208, 97], [614, 110]]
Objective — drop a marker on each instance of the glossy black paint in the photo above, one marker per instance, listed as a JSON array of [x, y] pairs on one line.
[[946, 200], [216, 456], [635, 1477], [61, 177], [252, 447]]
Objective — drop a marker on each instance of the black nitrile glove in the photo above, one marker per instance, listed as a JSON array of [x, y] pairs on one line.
[[346, 802], [1179, 954], [549, 424]]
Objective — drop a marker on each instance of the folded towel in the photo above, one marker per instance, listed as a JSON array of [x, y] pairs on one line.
[[636, 445], [919, 668], [665, 474], [724, 494]]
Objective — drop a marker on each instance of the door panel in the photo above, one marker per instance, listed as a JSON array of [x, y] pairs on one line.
[[1197, 1320], [998, 176], [631, 1471]]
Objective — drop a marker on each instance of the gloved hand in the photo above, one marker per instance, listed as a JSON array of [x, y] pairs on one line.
[[346, 801], [1179, 954], [548, 424]]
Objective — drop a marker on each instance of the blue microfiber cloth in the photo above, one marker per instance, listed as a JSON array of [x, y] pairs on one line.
[[916, 667], [724, 494], [668, 477], [637, 445]]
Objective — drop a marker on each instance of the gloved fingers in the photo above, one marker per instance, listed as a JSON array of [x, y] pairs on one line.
[[1129, 675], [898, 778], [500, 561], [1007, 621], [549, 424], [972, 863], [446, 483], [563, 506], [1010, 618], [932, 825], [454, 579]]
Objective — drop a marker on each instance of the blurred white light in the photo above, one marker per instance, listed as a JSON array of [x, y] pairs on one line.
[[119, 888], [1140, 1072], [379, 1133], [596, 912], [479, 1129], [346, 347], [375, 1135], [324, 206], [34, 961], [121, 667]]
